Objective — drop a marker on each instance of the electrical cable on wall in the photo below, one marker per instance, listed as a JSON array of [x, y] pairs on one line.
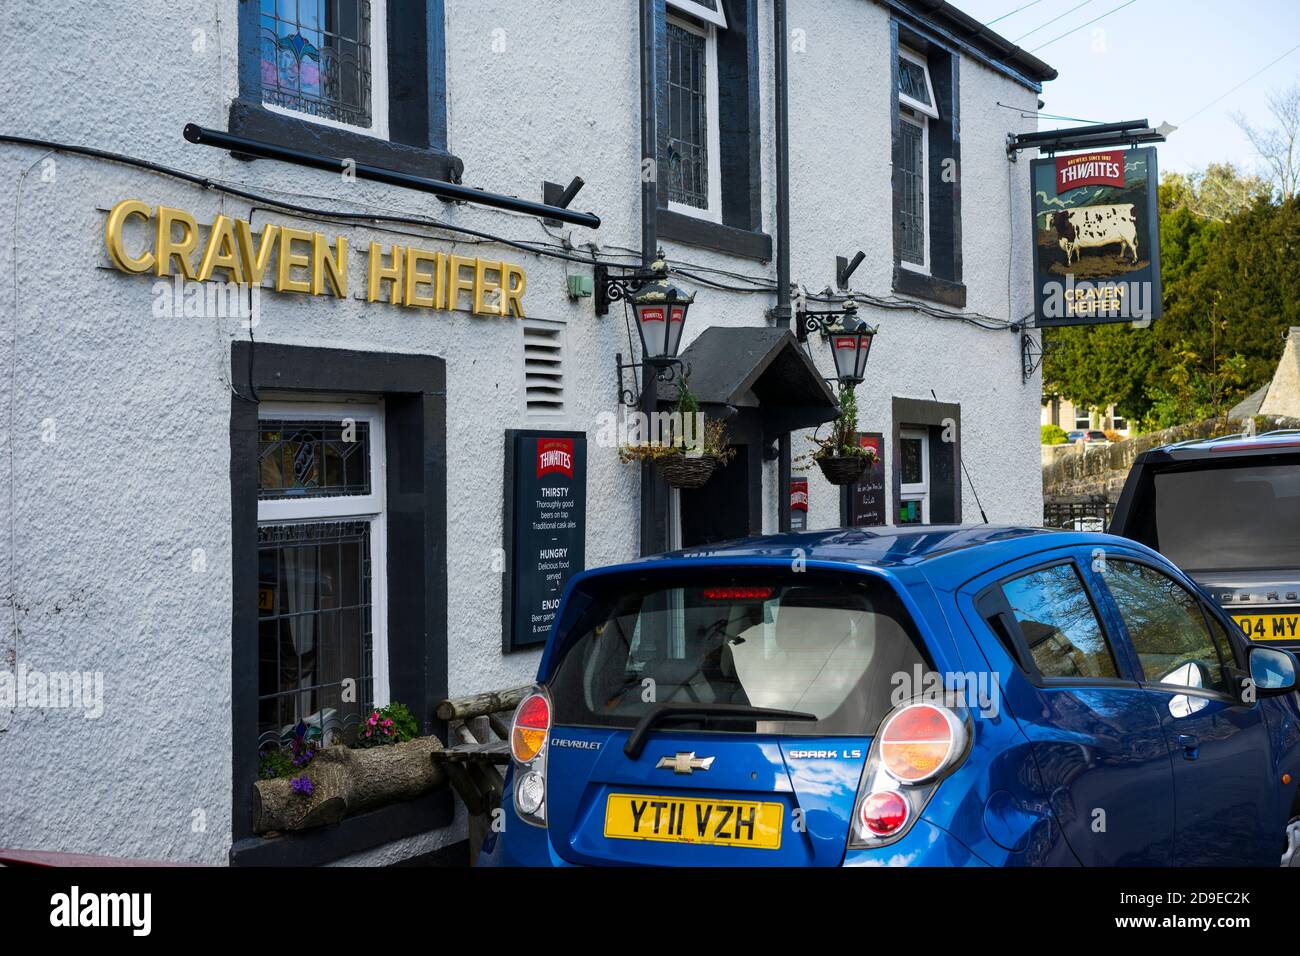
[[757, 284]]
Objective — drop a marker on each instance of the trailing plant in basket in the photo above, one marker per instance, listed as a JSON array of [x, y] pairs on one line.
[[842, 442], [393, 724], [683, 432]]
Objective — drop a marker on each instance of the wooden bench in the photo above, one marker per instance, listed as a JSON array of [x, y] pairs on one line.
[[478, 747]]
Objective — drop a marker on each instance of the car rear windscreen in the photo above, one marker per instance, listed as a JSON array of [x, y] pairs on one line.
[[829, 645], [1230, 517]]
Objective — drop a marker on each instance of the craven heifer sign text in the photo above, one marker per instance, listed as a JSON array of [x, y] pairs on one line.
[[1096, 238]]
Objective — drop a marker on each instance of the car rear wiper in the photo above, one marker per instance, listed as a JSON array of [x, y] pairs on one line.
[[637, 739]]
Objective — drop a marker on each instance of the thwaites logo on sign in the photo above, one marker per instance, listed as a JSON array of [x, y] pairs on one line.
[[798, 504], [1096, 238], [545, 530]]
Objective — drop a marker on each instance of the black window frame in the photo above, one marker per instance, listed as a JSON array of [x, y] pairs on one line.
[[414, 391], [945, 457], [417, 107], [740, 232], [943, 281]]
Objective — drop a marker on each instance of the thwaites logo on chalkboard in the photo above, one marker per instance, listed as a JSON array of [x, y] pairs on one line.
[[1096, 238], [545, 530]]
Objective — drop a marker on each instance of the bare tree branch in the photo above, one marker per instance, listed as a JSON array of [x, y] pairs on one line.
[[1278, 146]]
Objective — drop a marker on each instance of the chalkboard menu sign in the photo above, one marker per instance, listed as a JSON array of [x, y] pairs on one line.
[[545, 530], [867, 496]]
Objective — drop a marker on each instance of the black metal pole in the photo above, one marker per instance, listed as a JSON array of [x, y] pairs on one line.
[[1047, 135], [653, 493], [782, 312], [444, 190]]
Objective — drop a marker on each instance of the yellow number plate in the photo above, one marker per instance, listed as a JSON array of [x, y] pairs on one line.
[[685, 820], [1269, 627]]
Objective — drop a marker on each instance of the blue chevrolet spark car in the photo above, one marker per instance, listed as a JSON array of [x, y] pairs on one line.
[[937, 696]]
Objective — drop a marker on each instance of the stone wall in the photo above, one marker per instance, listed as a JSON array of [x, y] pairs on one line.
[[1082, 470]]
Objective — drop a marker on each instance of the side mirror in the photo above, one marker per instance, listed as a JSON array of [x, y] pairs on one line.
[[1272, 670]]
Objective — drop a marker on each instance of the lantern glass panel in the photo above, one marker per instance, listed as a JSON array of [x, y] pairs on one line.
[[652, 325], [844, 348]]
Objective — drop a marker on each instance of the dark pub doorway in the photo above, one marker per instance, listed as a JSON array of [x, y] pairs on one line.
[[720, 510]]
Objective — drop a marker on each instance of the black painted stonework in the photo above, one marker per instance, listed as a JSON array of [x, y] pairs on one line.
[[417, 114], [694, 231], [414, 391], [740, 232], [945, 456], [943, 284]]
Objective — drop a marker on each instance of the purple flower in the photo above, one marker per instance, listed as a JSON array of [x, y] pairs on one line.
[[301, 786]]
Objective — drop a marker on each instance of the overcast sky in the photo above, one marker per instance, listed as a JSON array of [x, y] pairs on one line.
[[1159, 60]]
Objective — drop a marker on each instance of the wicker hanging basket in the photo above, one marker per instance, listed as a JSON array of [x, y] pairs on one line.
[[679, 471], [843, 470]]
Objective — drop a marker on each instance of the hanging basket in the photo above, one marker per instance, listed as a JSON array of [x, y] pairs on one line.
[[843, 470], [682, 472]]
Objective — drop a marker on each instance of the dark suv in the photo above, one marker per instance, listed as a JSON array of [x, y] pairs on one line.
[[1227, 511]]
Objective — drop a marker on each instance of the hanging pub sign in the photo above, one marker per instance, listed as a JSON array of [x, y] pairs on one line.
[[545, 530], [866, 496], [1096, 238], [798, 504]]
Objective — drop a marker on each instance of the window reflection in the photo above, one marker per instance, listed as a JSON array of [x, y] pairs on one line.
[[1059, 624]]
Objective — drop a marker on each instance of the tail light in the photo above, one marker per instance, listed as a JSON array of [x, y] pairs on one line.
[[528, 733], [917, 745], [532, 721]]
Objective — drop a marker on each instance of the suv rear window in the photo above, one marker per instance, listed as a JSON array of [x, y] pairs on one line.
[[829, 645], [1229, 517]]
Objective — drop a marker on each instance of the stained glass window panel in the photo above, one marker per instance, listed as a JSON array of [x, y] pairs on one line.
[[911, 81], [305, 459], [316, 58]]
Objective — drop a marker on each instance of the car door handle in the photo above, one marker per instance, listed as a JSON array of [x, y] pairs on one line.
[[1191, 745]]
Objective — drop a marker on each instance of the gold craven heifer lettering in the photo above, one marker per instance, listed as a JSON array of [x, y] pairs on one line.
[[306, 262]]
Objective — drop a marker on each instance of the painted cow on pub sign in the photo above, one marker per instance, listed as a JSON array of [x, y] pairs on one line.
[[1091, 227]]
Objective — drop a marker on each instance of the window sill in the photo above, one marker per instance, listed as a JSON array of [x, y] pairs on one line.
[[923, 286], [365, 831], [693, 231], [257, 122]]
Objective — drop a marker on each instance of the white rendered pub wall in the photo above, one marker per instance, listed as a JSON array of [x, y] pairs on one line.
[[115, 522]]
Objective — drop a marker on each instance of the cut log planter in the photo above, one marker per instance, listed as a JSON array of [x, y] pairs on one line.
[[346, 781]]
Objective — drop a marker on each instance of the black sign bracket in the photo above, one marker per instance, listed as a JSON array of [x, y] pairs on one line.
[[1097, 136]]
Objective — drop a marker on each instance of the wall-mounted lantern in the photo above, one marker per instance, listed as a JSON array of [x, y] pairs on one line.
[[659, 308], [849, 337]]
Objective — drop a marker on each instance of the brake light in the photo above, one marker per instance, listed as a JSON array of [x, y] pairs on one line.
[[737, 594], [917, 742], [884, 812], [916, 746], [532, 721]]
